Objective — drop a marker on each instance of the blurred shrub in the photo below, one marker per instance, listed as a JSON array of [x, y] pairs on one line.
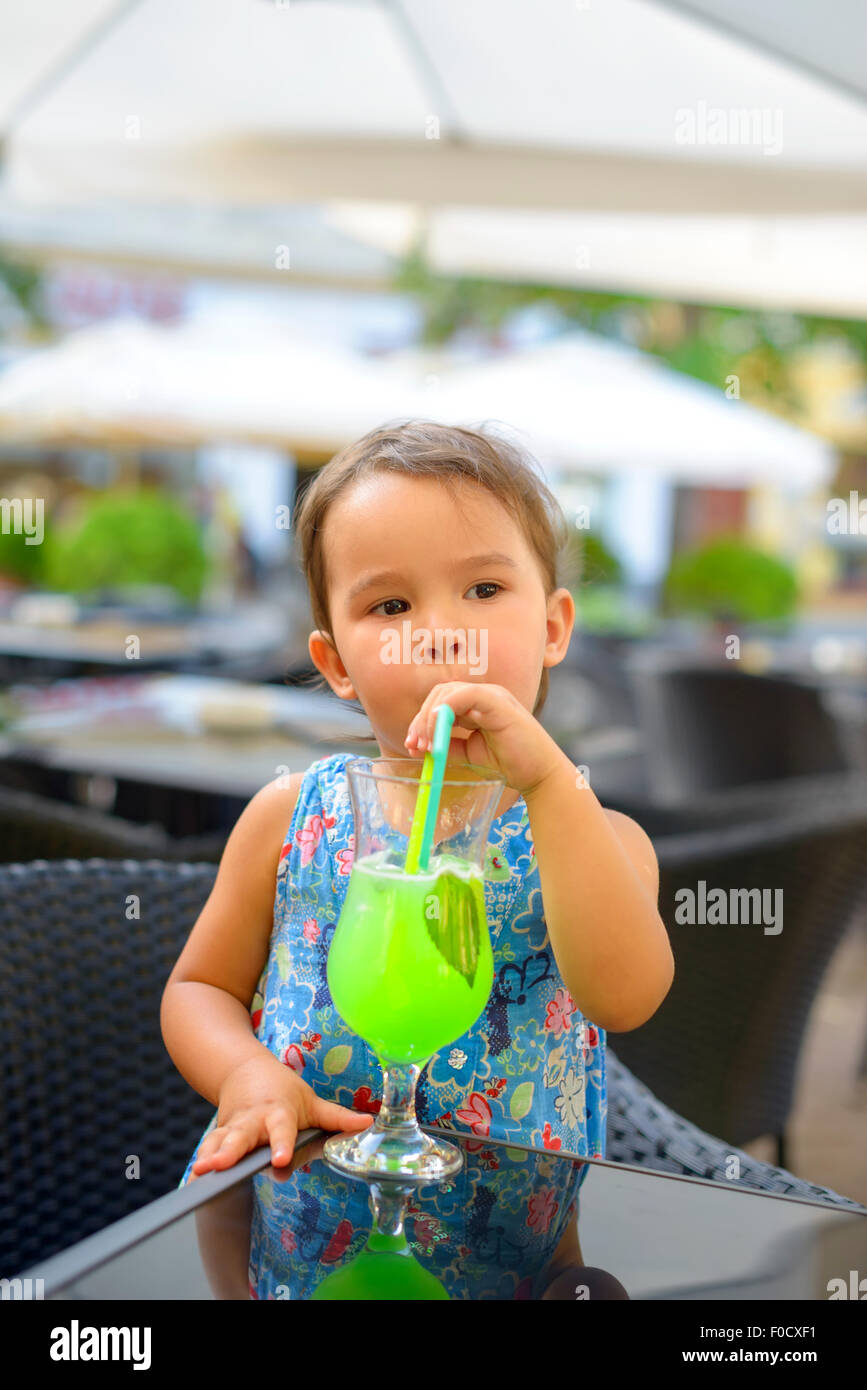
[[594, 578], [127, 539], [21, 561], [608, 611], [728, 579]]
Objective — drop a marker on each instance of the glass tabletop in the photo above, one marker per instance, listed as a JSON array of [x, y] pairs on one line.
[[304, 1231]]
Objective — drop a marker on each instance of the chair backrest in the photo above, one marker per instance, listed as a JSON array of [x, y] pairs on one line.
[[723, 1047], [706, 729], [38, 827], [599, 662], [85, 952]]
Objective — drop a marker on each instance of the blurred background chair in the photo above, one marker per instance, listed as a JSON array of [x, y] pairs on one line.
[[590, 687], [88, 1080], [723, 1047], [591, 714], [38, 827], [706, 729]]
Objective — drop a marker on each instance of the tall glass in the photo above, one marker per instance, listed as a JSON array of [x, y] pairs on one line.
[[410, 967]]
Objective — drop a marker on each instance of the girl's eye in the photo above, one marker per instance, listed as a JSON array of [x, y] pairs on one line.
[[384, 602], [483, 584], [487, 584]]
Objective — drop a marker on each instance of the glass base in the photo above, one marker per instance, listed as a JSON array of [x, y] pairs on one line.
[[398, 1152]]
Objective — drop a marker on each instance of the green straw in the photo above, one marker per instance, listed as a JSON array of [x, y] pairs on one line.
[[430, 787]]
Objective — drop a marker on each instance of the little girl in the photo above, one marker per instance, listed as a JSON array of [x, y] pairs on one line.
[[450, 531]]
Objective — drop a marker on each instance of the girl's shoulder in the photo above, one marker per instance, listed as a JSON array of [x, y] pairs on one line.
[[308, 792], [278, 801]]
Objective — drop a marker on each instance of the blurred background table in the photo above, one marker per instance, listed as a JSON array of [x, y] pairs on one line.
[[198, 732], [253, 638], [183, 752]]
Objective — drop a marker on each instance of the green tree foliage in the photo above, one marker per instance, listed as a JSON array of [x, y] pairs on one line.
[[712, 343], [591, 561], [23, 283]]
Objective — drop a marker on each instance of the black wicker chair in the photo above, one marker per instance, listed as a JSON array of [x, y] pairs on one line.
[[723, 1047], [37, 827], [87, 1079], [710, 728]]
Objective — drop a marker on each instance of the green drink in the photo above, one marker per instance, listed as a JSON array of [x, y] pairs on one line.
[[385, 1270], [410, 968]]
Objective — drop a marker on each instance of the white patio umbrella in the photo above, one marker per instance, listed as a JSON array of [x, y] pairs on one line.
[[631, 107], [218, 377], [829, 44], [587, 404], [623, 105], [581, 403]]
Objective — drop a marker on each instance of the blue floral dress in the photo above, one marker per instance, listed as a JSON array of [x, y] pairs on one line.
[[531, 1070]]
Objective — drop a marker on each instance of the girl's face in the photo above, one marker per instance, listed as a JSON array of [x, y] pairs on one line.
[[401, 553]]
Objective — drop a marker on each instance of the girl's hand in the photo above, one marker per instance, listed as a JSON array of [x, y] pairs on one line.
[[491, 729], [262, 1101]]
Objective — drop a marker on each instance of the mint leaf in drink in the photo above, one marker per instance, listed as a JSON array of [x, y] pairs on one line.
[[452, 916]]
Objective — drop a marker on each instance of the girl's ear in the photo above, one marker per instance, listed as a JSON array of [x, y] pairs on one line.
[[323, 654], [561, 620]]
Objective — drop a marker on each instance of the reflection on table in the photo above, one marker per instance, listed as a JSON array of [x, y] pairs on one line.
[[264, 1232]]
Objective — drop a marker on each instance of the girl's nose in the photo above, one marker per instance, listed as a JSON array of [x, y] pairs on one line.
[[443, 642]]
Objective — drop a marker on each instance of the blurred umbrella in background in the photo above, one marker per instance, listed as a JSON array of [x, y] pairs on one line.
[[715, 168]]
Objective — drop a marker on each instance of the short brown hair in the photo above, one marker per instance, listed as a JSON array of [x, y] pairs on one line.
[[423, 448]]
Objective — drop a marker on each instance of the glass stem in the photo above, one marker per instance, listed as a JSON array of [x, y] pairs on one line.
[[398, 1096], [388, 1202]]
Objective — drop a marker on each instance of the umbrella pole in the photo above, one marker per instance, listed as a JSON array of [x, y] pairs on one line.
[[127, 461]]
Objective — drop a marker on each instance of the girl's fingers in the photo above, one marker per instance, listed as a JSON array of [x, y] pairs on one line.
[[229, 1144], [238, 1140], [282, 1133], [462, 698], [327, 1114], [278, 1127], [208, 1147]]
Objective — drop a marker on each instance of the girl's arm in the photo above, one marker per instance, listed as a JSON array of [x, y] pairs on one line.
[[600, 886], [599, 875], [205, 1009]]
